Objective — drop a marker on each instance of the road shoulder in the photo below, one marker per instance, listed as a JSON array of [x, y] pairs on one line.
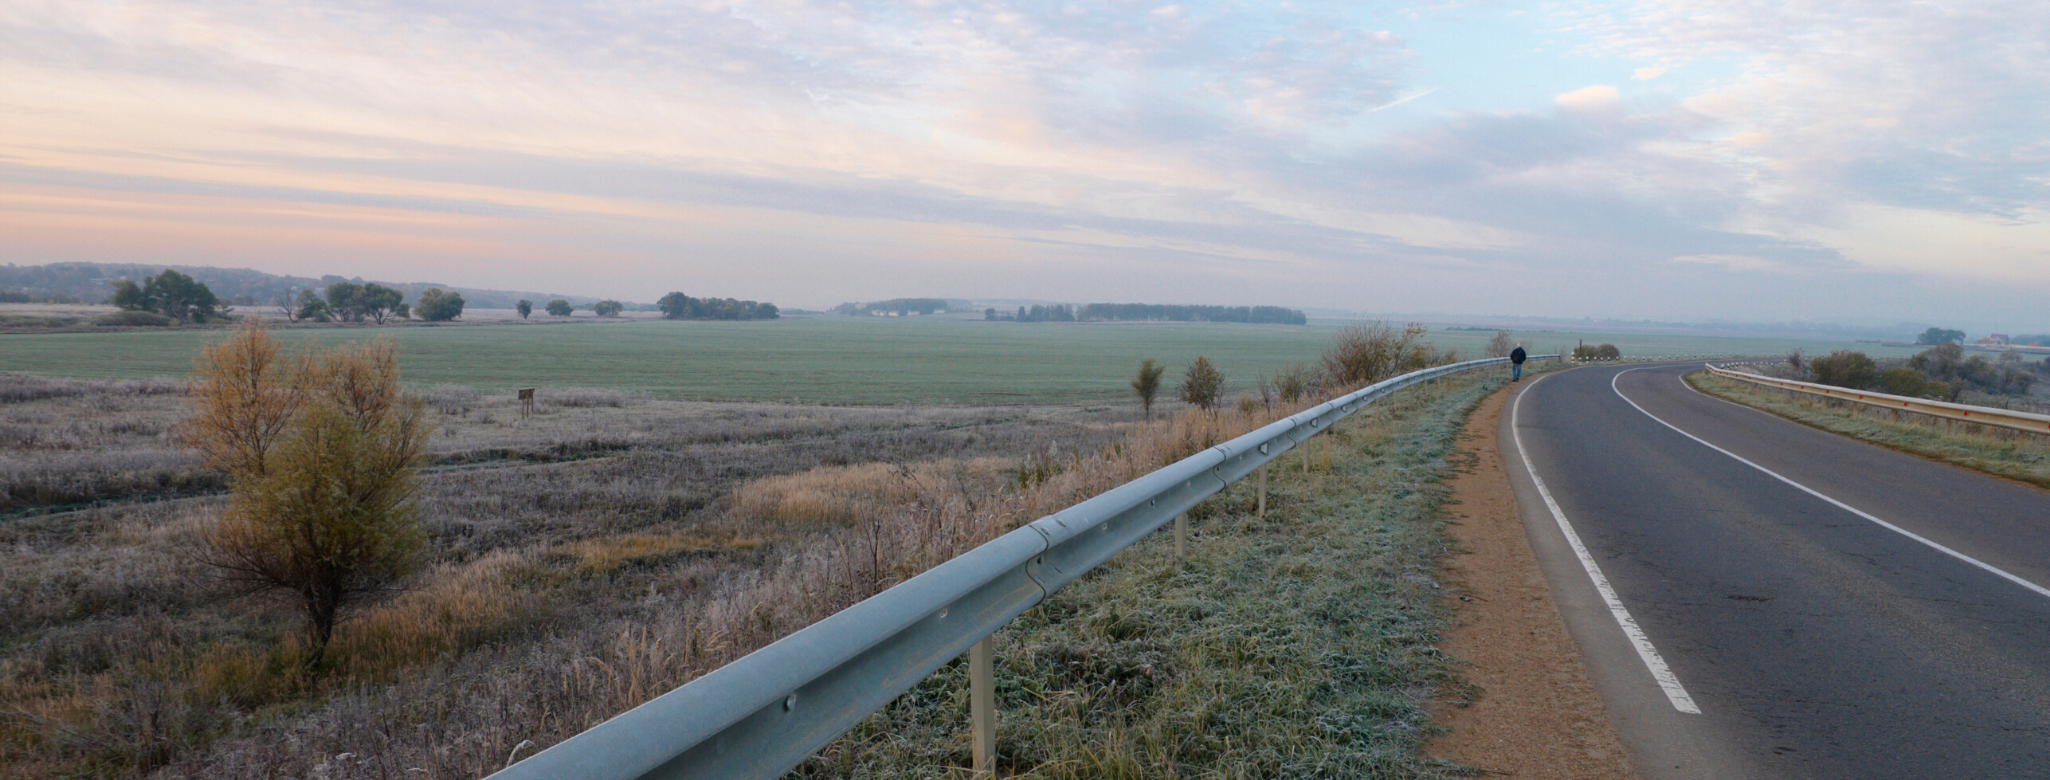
[[1537, 714]]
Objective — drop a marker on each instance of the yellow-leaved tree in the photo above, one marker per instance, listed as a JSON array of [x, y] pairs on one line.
[[320, 450]]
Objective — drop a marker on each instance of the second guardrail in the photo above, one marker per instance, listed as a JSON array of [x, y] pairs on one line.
[[1979, 415]]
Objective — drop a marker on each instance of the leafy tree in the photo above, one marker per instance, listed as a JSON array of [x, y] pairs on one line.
[[171, 294], [560, 308], [438, 305], [524, 307], [321, 453], [313, 307], [343, 301], [607, 308], [1202, 384], [378, 302], [1146, 384], [402, 311], [1934, 336]]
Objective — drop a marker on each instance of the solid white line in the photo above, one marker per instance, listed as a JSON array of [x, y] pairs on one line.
[[1813, 492], [1660, 673]]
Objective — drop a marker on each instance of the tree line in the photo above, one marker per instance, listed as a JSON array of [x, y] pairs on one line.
[[1360, 354], [1149, 312]]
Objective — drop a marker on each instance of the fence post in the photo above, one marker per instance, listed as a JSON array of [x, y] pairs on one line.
[[1181, 533], [982, 707], [1262, 511]]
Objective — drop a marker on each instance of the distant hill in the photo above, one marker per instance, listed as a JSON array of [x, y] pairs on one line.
[[92, 282]]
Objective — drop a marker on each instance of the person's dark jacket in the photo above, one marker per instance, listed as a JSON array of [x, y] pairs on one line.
[[1516, 356]]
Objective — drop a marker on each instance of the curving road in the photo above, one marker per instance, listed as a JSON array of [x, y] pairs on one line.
[[1831, 609]]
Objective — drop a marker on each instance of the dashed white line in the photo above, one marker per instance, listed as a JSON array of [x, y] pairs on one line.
[[1662, 674], [1813, 492]]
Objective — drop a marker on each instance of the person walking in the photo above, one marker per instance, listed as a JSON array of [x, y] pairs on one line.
[[1516, 357]]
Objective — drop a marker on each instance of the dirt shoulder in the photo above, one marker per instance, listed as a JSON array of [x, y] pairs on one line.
[[1537, 714]]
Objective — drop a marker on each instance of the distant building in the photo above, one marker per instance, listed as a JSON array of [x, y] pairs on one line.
[[1994, 340]]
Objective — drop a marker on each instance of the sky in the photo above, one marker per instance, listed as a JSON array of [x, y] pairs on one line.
[[1762, 160]]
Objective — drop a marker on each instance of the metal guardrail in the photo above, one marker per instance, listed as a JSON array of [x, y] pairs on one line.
[[1981, 415], [761, 715]]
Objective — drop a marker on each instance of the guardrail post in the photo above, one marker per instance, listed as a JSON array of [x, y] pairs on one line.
[[1261, 512], [982, 707], [1181, 533], [1306, 453]]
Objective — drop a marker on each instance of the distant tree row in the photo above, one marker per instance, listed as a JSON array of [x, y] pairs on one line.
[[1276, 315], [677, 306], [1148, 312], [171, 294], [1055, 313], [351, 302], [898, 306]]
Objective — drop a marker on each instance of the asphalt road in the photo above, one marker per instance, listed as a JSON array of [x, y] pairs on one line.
[[1814, 641]]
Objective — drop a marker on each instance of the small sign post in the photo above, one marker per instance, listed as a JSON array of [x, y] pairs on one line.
[[526, 402]]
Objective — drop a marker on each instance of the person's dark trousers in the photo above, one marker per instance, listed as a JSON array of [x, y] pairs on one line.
[[1515, 372]]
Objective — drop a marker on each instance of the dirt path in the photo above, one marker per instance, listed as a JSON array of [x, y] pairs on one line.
[[1538, 716]]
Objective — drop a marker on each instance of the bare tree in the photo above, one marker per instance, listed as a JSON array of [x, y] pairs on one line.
[[1500, 345]]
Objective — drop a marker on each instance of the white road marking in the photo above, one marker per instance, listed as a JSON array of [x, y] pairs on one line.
[[1813, 492], [1662, 674]]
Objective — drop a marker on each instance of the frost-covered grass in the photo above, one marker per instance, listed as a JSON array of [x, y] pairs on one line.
[[1301, 645]]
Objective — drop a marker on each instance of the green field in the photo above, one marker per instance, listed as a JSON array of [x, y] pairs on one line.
[[831, 360]]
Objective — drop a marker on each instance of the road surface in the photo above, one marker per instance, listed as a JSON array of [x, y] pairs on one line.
[[1830, 609]]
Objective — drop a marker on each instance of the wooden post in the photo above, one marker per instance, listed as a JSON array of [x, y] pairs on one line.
[[1181, 535], [1262, 511], [982, 707], [526, 402]]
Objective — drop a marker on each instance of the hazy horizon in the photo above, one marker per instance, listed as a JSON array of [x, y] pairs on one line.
[[1677, 160]]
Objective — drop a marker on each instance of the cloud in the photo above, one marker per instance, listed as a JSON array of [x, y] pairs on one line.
[[1590, 99], [850, 149]]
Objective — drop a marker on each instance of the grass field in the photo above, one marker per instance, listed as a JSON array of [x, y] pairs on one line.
[[830, 360]]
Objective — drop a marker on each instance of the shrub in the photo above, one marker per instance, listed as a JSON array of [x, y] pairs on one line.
[[1295, 382], [134, 319], [524, 307], [1909, 382], [560, 308], [1597, 352], [320, 452], [1368, 352], [1844, 368], [1147, 383], [1202, 384]]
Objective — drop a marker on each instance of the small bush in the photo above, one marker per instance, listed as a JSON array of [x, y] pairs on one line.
[[584, 397], [1368, 352], [1909, 382], [135, 319]]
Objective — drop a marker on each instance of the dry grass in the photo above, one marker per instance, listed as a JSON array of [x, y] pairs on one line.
[[588, 558]]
